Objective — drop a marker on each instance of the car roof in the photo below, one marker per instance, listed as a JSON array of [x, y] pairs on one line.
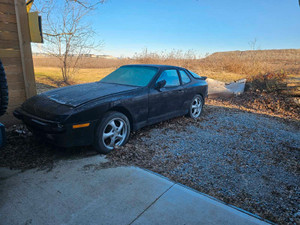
[[156, 66]]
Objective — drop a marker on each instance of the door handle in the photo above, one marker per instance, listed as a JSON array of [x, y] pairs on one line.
[[180, 91]]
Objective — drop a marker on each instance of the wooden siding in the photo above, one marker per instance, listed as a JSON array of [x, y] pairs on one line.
[[15, 53]]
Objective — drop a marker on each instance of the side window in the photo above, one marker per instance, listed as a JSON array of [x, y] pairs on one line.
[[171, 77], [184, 77]]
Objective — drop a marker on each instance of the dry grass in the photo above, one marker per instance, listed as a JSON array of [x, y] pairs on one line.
[[86, 62], [256, 62], [51, 75], [223, 66]]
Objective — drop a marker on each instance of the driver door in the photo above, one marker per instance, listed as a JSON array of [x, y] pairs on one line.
[[166, 102]]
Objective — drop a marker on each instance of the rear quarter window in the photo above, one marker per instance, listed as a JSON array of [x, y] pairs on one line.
[[184, 77]]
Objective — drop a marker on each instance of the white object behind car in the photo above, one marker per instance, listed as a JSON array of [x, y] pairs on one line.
[[218, 88]]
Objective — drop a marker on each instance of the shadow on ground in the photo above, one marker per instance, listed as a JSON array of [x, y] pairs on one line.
[[24, 151]]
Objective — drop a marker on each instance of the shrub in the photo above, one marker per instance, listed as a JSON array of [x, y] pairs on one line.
[[270, 82]]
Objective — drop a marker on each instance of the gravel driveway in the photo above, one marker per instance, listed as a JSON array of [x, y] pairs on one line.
[[245, 159]]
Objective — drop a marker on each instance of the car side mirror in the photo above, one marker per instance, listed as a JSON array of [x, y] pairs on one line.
[[160, 84]]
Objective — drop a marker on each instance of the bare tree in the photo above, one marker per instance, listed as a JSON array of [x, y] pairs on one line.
[[90, 4], [256, 62], [67, 35], [253, 45]]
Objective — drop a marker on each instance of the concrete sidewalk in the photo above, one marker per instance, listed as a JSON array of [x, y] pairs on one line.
[[83, 192]]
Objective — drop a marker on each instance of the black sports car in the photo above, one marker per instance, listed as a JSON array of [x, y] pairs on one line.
[[103, 113]]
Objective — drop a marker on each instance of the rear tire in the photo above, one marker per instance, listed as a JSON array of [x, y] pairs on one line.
[[196, 107], [113, 130]]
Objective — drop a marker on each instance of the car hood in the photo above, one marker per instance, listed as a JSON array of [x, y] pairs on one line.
[[57, 104], [76, 95]]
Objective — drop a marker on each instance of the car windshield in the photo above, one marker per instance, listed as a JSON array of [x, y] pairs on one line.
[[131, 75]]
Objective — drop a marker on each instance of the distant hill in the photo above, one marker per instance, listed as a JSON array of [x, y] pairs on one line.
[[255, 61], [273, 55]]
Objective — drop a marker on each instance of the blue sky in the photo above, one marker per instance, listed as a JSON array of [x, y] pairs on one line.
[[129, 26], [204, 25]]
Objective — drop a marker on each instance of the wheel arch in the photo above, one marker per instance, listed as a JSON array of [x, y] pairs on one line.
[[202, 97], [122, 109]]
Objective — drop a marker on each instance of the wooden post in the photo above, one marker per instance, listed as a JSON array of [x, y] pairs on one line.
[[25, 47]]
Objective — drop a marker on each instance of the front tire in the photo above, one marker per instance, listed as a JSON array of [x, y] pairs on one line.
[[196, 107], [113, 130]]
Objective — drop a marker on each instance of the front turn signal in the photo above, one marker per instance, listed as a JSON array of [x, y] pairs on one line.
[[75, 126]]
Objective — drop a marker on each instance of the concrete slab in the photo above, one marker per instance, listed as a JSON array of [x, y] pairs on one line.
[[84, 191], [181, 205], [76, 192]]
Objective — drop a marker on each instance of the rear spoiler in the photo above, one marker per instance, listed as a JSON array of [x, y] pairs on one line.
[[201, 78], [196, 75]]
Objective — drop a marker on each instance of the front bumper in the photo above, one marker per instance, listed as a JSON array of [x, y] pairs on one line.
[[59, 134]]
